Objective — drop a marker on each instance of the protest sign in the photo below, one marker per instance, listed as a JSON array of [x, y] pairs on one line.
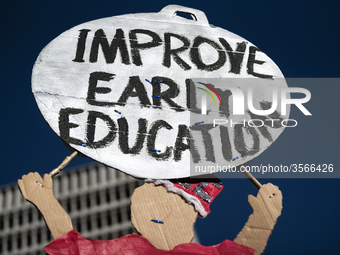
[[119, 90]]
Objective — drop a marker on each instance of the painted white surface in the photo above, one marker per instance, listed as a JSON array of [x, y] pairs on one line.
[[58, 82]]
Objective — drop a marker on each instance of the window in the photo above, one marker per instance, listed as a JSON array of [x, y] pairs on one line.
[[3, 199], [68, 205], [88, 223], [137, 183], [120, 233], [115, 235], [48, 235], [78, 179], [13, 195], [9, 243], [78, 224], [1, 222], [97, 174], [38, 235], [60, 185], [108, 173], [117, 191], [119, 215], [127, 190], [69, 182], [108, 218], [97, 198], [20, 218], [19, 241], [88, 201], [107, 195], [99, 221], [39, 216], [88, 177], [10, 220], [29, 238], [78, 203], [128, 210], [109, 236], [30, 215], [117, 174]]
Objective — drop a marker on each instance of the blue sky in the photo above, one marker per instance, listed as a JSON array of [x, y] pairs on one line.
[[300, 36]]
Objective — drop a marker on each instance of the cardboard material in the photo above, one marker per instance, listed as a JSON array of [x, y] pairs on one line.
[[150, 202], [267, 208], [40, 192], [163, 218], [116, 89]]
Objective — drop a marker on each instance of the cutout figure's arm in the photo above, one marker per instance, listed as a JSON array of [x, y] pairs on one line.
[[267, 208], [39, 192]]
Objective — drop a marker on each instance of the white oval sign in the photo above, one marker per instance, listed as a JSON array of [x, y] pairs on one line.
[[135, 92]]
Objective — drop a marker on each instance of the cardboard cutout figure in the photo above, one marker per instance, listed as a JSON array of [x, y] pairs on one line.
[[164, 220], [97, 82]]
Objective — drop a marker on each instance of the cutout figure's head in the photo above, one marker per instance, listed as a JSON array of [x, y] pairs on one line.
[[150, 202], [165, 218]]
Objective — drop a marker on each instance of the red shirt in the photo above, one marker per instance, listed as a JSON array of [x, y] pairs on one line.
[[75, 244]]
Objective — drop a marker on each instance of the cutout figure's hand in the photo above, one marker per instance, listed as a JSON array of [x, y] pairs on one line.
[[39, 192], [269, 198], [267, 206], [34, 188]]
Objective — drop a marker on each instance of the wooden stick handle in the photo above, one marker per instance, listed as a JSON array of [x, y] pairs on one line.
[[63, 164], [252, 179]]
